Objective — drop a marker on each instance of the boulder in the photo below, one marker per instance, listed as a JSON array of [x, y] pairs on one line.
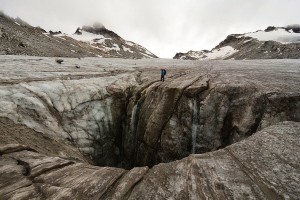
[[59, 61]]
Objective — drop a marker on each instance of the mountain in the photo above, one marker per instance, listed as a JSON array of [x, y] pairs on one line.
[[272, 43], [109, 43], [19, 38]]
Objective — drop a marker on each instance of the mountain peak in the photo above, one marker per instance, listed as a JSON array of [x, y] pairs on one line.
[[98, 29], [294, 27]]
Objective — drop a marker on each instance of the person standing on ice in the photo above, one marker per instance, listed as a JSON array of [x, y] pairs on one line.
[[163, 72]]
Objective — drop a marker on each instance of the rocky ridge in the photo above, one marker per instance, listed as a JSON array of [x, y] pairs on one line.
[[272, 43], [19, 38]]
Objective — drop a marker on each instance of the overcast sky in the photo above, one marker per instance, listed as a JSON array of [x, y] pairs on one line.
[[164, 27]]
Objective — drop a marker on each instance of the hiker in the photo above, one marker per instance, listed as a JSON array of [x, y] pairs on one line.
[[163, 73]]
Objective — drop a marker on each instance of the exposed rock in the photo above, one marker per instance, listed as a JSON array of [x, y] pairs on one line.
[[294, 27], [21, 44], [78, 32], [270, 28], [54, 32], [99, 29], [264, 166], [192, 55], [59, 61]]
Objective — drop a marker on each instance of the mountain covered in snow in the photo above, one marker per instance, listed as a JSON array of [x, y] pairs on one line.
[[109, 43], [271, 43], [19, 38]]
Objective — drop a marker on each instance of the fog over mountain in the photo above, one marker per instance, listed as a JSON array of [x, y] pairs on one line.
[[163, 27]]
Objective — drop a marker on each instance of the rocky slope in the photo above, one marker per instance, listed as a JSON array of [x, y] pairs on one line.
[[272, 43], [264, 166], [19, 38], [119, 114]]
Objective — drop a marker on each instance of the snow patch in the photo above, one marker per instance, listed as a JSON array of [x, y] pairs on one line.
[[278, 35], [130, 43], [221, 53], [87, 37], [47, 35], [197, 54], [61, 37], [247, 41], [107, 49], [115, 47], [127, 49]]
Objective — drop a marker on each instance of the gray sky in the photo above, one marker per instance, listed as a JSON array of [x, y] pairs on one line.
[[164, 27]]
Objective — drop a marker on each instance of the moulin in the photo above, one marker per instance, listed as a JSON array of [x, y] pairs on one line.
[[129, 118]]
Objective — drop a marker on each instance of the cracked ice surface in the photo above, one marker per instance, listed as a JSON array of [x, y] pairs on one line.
[[60, 100], [85, 104]]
